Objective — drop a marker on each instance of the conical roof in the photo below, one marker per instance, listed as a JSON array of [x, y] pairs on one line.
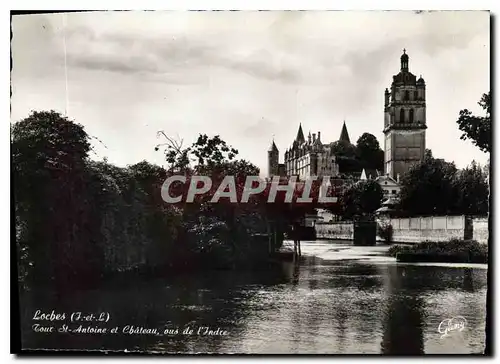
[[363, 175], [344, 135], [300, 135], [273, 147]]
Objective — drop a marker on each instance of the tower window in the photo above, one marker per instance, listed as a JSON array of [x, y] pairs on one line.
[[415, 95], [411, 115], [402, 116], [407, 95]]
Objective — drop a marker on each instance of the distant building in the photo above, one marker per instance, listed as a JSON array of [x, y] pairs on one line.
[[306, 158], [390, 186], [367, 174], [404, 121], [404, 139], [325, 215], [389, 207]]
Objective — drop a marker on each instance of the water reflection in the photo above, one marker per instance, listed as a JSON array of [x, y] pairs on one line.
[[468, 280], [361, 305], [404, 316], [403, 329]]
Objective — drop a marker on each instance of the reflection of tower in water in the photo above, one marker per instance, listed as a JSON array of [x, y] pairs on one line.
[[296, 273], [468, 280], [313, 269], [403, 322], [291, 271]]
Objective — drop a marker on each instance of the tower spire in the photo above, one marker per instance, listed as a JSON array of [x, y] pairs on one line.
[[273, 148], [404, 61], [300, 135], [344, 135]]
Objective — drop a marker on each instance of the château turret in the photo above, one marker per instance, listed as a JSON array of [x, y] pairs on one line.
[[344, 135]]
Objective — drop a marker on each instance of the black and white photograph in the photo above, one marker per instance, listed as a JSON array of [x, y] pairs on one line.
[[251, 182]]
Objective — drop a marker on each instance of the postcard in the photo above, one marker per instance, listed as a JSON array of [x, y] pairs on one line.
[[251, 182]]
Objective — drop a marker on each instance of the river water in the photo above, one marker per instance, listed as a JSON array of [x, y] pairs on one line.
[[339, 299]]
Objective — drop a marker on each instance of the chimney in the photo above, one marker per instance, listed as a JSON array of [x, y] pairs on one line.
[[319, 135], [314, 137]]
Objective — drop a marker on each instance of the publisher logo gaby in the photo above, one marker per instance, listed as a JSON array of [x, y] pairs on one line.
[[447, 326]]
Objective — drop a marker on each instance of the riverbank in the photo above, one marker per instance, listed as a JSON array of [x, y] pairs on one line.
[[452, 251]]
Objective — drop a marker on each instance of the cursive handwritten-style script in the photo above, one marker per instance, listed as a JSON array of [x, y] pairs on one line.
[[456, 323]]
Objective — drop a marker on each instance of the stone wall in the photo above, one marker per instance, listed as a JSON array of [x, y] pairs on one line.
[[414, 229], [436, 228], [335, 230], [480, 229]]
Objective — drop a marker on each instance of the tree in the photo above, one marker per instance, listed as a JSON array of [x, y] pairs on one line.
[[343, 149], [472, 190], [205, 152], [48, 140], [147, 173], [428, 188], [368, 142], [49, 155], [361, 199], [486, 170], [77, 219], [212, 151], [214, 158], [345, 154], [369, 153], [477, 128]]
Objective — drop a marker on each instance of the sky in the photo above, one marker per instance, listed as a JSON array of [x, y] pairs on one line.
[[247, 76]]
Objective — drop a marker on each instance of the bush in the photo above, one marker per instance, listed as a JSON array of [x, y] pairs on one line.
[[385, 231], [471, 249]]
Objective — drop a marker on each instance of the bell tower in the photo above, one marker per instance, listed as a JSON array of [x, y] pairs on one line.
[[404, 121], [272, 160]]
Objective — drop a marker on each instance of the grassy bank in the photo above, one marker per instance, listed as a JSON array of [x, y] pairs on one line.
[[454, 250]]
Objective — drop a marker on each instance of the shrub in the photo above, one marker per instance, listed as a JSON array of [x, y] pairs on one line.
[[396, 249], [474, 251], [385, 231]]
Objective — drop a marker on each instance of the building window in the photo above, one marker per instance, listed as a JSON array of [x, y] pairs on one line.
[[411, 115], [407, 95], [402, 116], [393, 192], [415, 95]]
